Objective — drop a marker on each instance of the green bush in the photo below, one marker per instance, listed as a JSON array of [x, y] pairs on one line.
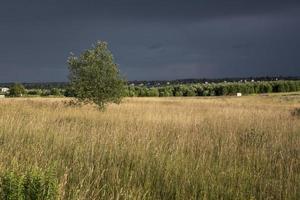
[[46, 93], [221, 90], [35, 92], [153, 92], [55, 92], [282, 87], [141, 91], [11, 186], [189, 91], [165, 91], [69, 92], [32, 185], [17, 90]]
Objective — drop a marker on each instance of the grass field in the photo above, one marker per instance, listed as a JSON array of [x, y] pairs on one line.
[[159, 148]]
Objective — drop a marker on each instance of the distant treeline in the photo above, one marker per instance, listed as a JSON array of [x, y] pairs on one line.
[[213, 89], [42, 85], [216, 80], [169, 90], [157, 83]]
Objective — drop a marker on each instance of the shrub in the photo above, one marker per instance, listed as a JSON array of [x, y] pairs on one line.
[[265, 88], [165, 91], [153, 92], [55, 92], [177, 91], [69, 92], [199, 90], [17, 90], [11, 186], [130, 91], [45, 93], [36, 92], [178, 94], [189, 91], [39, 185], [32, 185], [141, 91], [221, 90], [292, 86]]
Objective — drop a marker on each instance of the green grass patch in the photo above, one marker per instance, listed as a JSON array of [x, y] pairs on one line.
[[32, 185]]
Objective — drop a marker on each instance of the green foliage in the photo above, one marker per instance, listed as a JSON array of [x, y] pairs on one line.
[[286, 86], [265, 88], [46, 92], [165, 91], [130, 91], [152, 92], [17, 90], [95, 77], [33, 185], [141, 91], [39, 185], [178, 91], [69, 92], [55, 92], [35, 92], [221, 90], [11, 186], [214, 89]]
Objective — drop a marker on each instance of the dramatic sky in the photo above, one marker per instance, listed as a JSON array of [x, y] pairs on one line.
[[151, 39]]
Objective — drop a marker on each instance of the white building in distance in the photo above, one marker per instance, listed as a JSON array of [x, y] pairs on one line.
[[4, 90]]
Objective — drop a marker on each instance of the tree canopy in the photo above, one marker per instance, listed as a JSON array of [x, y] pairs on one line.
[[95, 77], [17, 90]]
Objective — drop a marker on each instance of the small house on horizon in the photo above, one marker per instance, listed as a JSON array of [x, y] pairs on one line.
[[4, 90]]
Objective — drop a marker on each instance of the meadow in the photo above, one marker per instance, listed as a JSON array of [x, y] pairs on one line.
[[158, 148]]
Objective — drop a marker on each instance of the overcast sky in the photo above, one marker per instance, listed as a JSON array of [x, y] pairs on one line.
[[151, 39]]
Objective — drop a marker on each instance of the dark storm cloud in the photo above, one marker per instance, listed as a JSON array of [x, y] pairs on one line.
[[158, 39], [158, 10]]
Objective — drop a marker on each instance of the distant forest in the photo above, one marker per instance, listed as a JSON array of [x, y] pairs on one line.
[[155, 83]]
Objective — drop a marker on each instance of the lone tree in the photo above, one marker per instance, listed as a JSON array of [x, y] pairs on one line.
[[95, 77], [17, 90]]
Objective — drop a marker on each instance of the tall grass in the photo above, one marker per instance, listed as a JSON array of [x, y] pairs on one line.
[[158, 148]]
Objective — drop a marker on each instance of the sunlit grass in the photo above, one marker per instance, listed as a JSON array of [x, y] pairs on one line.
[[158, 148]]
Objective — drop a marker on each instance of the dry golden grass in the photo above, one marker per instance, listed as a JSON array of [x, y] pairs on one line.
[[159, 148]]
